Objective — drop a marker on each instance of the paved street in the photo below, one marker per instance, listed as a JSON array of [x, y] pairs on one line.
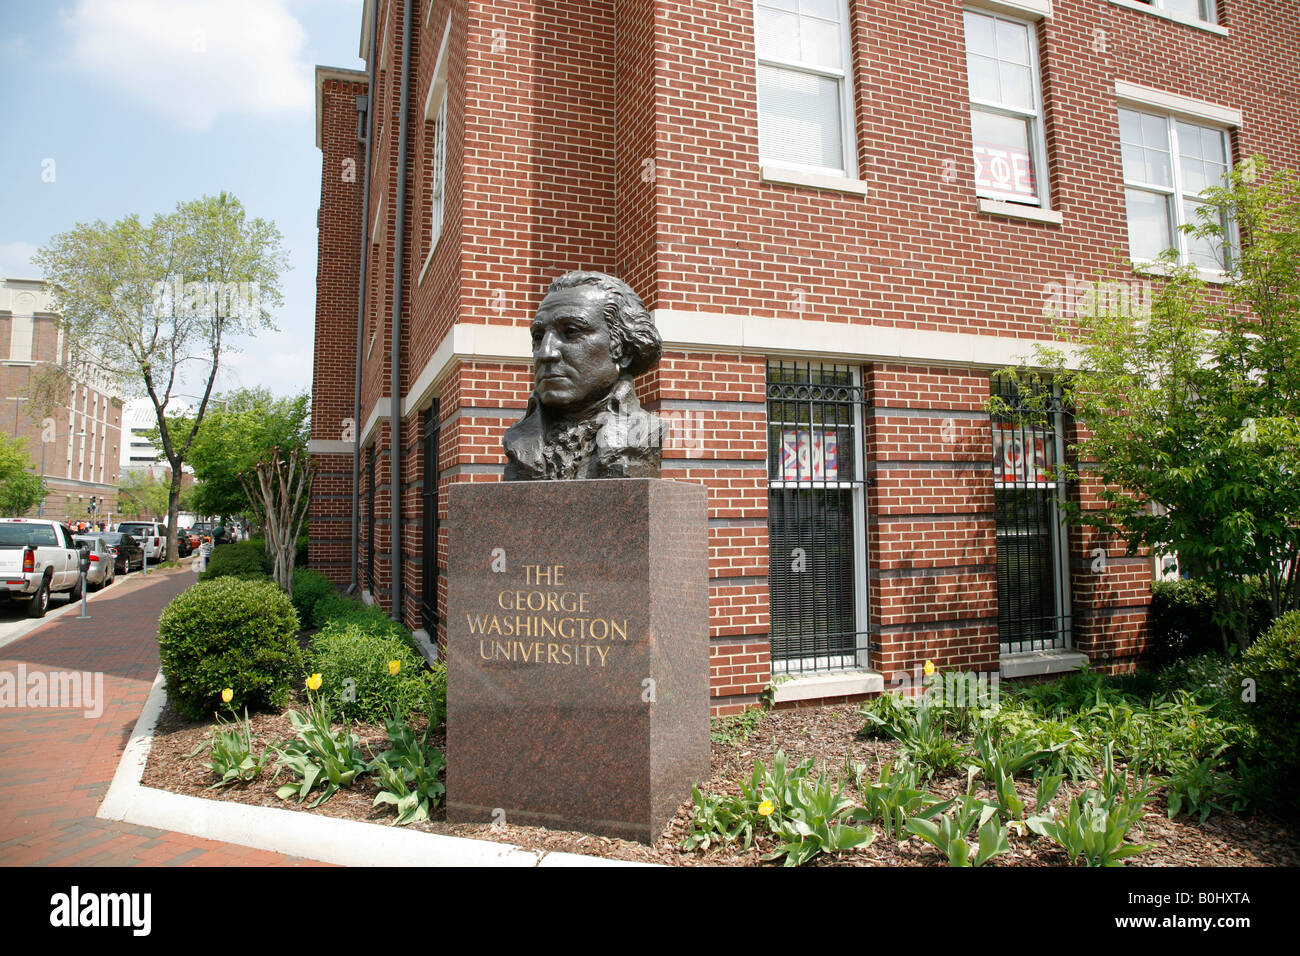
[[56, 763]]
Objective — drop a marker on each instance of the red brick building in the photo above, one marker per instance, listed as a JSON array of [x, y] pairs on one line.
[[844, 214], [75, 442]]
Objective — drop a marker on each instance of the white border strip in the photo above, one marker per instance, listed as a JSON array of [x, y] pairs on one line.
[[738, 333], [1034, 8], [1174, 103], [292, 832]]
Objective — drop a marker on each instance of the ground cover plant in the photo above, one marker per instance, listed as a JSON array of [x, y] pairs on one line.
[[1037, 783]]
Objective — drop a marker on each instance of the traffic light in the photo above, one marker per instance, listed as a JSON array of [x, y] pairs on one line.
[[93, 506]]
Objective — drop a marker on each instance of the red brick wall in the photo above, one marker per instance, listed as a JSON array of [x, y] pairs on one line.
[[338, 266], [623, 137]]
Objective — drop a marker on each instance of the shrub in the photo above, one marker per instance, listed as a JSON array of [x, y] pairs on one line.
[[229, 633], [339, 609], [1182, 618], [308, 588], [1273, 664], [353, 660], [243, 558]]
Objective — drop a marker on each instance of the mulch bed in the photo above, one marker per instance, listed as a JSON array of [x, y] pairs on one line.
[[830, 735]]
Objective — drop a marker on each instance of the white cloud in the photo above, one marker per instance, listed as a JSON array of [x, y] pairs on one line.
[[15, 260], [194, 60]]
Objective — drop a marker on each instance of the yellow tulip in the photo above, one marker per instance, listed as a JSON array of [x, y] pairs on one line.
[[227, 695], [394, 667], [929, 668], [765, 809], [313, 682]]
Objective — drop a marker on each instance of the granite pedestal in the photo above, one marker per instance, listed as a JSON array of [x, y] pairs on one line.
[[577, 653]]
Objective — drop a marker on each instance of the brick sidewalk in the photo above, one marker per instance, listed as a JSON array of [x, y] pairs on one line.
[[56, 763]]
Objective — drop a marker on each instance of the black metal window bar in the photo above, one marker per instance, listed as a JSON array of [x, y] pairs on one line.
[[816, 510], [430, 431], [1033, 560], [370, 520]]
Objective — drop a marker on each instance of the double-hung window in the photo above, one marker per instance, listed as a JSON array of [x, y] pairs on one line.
[[1168, 162], [435, 160], [1006, 109], [805, 93], [1203, 10]]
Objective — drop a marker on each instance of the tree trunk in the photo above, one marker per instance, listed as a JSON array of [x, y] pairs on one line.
[[173, 509], [284, 490]]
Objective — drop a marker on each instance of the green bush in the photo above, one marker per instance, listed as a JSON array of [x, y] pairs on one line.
[[1182, 618], [353, 658], [229, 633], [240, 558], [308, 588], [1273, 664], [338, 608]]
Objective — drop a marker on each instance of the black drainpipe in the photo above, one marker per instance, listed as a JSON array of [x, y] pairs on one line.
[[363, 134], [399, 259]]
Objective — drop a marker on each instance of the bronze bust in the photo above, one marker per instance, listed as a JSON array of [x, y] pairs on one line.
[[591, 335]]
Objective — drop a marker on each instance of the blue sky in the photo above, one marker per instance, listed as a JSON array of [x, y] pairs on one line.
[[142, 104]]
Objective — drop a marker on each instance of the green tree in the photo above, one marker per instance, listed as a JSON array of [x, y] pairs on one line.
[[238, 431], [141, 494], [21, 489], [1190, 412], [151, 305]]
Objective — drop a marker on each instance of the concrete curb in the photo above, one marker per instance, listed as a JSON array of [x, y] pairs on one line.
[[291, 832]]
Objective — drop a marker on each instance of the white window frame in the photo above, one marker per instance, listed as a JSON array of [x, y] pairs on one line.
[[1160, 8], [844, 77], [806, 666], [1036, 118], [435, 112], [1176, 190]]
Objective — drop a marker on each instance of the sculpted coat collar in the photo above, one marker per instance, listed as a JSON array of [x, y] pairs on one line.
[[628, 441]]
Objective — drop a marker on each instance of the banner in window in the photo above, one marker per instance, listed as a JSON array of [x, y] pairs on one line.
[[1004, 169], [1020, 455], [809, 455]]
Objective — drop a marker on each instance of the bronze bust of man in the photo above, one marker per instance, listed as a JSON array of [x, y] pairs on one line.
[[591, 335]]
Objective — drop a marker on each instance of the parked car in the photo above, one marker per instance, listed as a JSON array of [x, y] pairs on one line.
[[127, 552], [183, 547], [37, 558], [151, 535], [103, 562]]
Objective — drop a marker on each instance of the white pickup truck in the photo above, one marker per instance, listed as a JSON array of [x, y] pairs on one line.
[[37, 557]]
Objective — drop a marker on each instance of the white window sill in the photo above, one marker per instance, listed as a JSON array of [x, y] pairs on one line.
[[799, 177], [823, 686], [1033, 663], [1017, 211], [1160, 269], [1166, 15]]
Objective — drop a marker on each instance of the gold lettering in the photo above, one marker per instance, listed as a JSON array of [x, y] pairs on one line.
[[501, 650], [603, 628], [602, 651], [582, 602], [566, 632], [545, 624], [486, 657], [620, 631], [494, 627], [501, 600], [551, 651]]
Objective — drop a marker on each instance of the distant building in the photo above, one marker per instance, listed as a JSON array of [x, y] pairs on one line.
[[139, 453], [77, 447]]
